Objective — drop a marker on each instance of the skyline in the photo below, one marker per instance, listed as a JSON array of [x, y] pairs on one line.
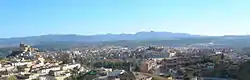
[[121, 34], [89, 17]]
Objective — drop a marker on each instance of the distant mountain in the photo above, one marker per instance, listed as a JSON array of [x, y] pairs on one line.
[[58, 42], [94, 38], [140, 38]]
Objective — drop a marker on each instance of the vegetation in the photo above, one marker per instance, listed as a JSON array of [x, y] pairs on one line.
[[223, 68], [5, 51], [12, 77], [137, 69], [21, 68], [244, 71], [154, 78]]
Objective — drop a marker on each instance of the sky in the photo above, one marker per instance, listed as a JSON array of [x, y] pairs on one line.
[[19, 18]]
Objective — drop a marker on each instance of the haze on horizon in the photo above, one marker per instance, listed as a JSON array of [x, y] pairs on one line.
[[19, 18]]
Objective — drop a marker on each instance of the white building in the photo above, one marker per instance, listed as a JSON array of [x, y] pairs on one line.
[[57, 73], [105, 78], [71, 66], [46, 78], [115, 73], [8, 68], [101, 78], [21, 63], [172, 54], [46, 71]]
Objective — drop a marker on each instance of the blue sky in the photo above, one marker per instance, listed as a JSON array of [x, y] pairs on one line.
[[20, 18]]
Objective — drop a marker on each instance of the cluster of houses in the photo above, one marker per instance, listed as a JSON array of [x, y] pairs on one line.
[[109, 74], [34, 66]]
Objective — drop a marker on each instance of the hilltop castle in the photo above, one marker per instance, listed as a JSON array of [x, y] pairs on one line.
[[27, 48], [24, 51]]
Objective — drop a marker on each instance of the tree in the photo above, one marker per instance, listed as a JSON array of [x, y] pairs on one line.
[[51, 73], [12, 77], [21, 68], [68, 78], [244, 71], [154, 78], [137, 69], [188, 75]]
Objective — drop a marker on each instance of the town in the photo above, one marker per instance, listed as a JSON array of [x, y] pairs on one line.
[[124, 40], [122, 63]]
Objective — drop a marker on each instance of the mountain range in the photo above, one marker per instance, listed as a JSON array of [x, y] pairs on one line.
[[140, 37], [94, 38], [57, 42]]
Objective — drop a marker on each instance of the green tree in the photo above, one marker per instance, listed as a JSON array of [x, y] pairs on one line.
[[155, 78], [137, 69], [74, 73], [244, 71], [21, 68], [12, 78], [188, 75]]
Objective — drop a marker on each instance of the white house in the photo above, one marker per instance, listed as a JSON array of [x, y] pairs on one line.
[[71, 66], [46, 71], [115, 73], [21, 63]]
